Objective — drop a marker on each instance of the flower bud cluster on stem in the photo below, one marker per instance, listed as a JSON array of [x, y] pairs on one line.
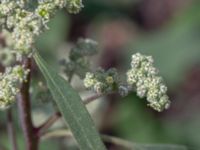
[[142, 77], [78, 62], [20, 25], [10, 81]]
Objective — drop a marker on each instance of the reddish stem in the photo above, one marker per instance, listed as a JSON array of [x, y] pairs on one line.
[[57, 115], [24, 106], [46, 125]]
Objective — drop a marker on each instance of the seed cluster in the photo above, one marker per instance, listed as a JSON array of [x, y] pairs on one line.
[[9, 84], [25, 23], [20, 24], [78, 62], [144, 78], [102, 81]]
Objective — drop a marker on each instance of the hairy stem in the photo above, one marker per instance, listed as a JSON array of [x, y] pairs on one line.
[[11, 130], [24, 106]]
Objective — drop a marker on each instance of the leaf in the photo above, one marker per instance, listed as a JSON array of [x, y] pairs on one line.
[[159, 147], [128, 145], [71, 108]]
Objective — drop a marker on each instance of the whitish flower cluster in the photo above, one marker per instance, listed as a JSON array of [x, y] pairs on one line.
[[78, 62], [74, 6], [9, 85], [102, 81], [143, 76], [20, 24], [25, 24]]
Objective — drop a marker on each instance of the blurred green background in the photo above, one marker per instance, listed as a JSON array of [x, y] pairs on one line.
[[169, 30]]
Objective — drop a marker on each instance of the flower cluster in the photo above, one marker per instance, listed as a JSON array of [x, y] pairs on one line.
[[102, 81], [25, 24], [74, 6], [143, 76], [78, 62], [20, 24], [9, 84]]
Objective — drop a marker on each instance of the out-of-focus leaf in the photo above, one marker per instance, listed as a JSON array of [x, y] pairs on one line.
[[51, 39], [127, 145], [133, 121], [72, 108], [159, 147]]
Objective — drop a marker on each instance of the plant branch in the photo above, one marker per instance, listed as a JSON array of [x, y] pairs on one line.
[[25, 111], [92, 98], [118, 141], [11, 130], [52, 119]]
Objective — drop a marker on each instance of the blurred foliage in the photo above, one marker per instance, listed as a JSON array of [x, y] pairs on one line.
[[175, 47]]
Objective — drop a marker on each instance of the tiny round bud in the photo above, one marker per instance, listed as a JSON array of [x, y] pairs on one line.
[[102, 81], [74, 6], [109, 80], [123, 91]]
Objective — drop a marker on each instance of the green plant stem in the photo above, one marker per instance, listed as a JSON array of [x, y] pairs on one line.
[[52, 119], [24, 106], [106, 138], [11, 130]]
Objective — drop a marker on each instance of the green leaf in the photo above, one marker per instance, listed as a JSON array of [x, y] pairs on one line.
[[128, 145], [72, 109], [159, 147]]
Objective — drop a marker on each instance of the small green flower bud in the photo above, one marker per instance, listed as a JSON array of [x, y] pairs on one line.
[[89, 80], [45, 10], [74, 6], [109, 80], [83, 47], [102, 81], [9, 85], [99, 87], [123, 91]]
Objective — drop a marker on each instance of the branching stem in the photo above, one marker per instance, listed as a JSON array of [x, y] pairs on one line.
[[52, 119]]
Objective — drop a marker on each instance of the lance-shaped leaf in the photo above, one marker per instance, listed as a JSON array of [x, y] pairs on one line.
[[72, 108], [128, 145], [159, 147]]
